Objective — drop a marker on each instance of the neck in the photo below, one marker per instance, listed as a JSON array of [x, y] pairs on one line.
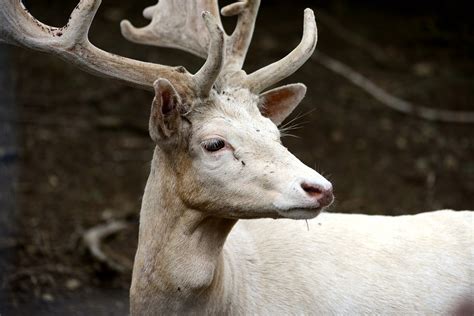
[[179, 258]]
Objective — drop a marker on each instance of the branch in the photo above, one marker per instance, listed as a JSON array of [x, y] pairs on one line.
[[94, 237], [389, 100]]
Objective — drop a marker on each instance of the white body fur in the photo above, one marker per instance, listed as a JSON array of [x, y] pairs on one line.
[[351, 264]]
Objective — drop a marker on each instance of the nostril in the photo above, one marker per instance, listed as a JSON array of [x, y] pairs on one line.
[[311, 189], [322, 195]]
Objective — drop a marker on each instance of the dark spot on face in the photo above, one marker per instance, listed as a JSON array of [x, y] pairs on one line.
[[257, 130], [59, 34], [243, 162], [179, 289]]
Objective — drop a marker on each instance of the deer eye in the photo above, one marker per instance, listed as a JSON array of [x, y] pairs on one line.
[[213, 144]]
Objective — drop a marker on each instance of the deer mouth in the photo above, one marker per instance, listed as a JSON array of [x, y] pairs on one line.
[[301, 212]]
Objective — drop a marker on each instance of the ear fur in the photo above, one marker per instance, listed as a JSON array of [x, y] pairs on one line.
[[278, 103], [165, 118]]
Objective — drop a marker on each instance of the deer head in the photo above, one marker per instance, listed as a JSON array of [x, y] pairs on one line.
[[215, 130]]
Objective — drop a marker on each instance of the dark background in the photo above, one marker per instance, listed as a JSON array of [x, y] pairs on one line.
[[75, 150]]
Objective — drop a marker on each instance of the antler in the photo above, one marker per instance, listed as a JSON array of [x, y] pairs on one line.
[[207, 75], [271, 74], [180, 31], [238, 43], [18, 26], [175, 24]]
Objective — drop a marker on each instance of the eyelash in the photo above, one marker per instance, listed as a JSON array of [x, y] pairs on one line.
[[213, 145]]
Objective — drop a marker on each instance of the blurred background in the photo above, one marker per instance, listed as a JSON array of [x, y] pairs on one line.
[[75, 150]]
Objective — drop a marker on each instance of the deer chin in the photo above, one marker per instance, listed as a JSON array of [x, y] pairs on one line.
[[300, 213]]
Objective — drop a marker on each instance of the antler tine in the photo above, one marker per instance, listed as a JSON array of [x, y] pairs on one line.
[[271, 74], [148, 12], [19, 27], [239, 42], [209, 72]]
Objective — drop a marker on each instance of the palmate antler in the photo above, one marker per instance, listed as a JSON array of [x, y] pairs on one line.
[[19, 27], [174, 23]]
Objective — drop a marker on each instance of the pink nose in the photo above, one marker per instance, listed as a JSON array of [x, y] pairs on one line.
[[324, 196]]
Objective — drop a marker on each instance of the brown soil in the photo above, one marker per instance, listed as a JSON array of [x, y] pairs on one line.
[[85, 152]]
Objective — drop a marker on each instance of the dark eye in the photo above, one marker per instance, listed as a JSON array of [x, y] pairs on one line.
[[214, 144]]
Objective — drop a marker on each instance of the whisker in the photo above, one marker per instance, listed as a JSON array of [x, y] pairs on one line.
[[289, 135], [297, 117], [293, 127], [292, 124]]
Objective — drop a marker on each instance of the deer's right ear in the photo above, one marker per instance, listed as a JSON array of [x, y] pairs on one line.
[[278, 103], [165, 118]]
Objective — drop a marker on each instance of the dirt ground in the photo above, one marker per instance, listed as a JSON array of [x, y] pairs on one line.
[[84, 150]]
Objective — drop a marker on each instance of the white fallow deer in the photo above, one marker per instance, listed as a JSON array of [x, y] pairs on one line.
[[219, 160]]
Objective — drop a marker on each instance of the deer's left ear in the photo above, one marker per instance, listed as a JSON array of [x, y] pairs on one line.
[[278, 103], [165, 117]]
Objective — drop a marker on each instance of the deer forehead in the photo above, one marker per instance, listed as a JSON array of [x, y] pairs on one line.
[[234, 115]]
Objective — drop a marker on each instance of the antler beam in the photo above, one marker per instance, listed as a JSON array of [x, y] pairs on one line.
[[19, 27]]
